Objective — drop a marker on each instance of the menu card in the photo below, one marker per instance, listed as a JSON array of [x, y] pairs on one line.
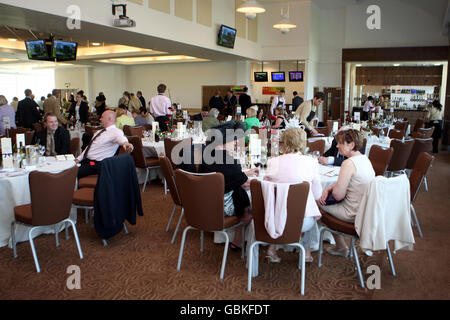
[[20, 138], [6, 123], [229, 118], [255, 145], [7, 159], [335, 126], [357, 116]]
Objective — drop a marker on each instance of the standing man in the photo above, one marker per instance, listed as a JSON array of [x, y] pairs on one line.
[[308, 111], [230, 101], [216, 102], [27, 111], [278, 101], [141, 98], [159, 107], [245, 101], [103, 145], [296, 101], [51, 105], [54, 138]]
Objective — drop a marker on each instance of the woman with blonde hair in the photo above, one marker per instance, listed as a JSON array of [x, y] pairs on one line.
[[251, 120], [295, 167], [6, 111]]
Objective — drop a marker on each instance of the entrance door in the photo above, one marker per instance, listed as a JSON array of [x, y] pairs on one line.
[[332, 104]]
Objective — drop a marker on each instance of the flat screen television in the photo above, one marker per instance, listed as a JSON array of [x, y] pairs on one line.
[[261, 77], [227, 36], [64, 51], [295, 76], [37, 50], [278, 76]]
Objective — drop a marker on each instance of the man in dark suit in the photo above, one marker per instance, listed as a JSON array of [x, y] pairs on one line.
[[202, 115], [141, 98], [296, 101], [216, 101], [54, 138], [245, 101], [27, 111], [230, 101], [332, 155]]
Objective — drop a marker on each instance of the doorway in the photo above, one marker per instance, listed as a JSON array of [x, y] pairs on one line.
[[332, 103]]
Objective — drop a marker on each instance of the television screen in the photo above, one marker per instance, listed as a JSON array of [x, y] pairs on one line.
[[64, 51], [261, 77], [278, 76], [37, 50], [227, 35], [295, 75]]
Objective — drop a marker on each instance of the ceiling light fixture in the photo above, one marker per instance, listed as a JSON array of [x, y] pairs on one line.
[[285, 25], [96, 44], [396, 64], [12, 39], [251, 8]]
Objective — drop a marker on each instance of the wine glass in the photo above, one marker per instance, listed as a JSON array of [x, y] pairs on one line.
[[316, 154], [41, 150]]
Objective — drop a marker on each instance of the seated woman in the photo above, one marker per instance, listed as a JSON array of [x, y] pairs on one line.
[[143, 117], [236, 200], [295, 167], [122, 118], [251, 120], [355, 176], [211, 120], [280, 122]]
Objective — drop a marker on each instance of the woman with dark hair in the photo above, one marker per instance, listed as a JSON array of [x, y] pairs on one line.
[[355, 176], [368, 107], [236, 200], [79, 110], [435, 120], [280, 122]]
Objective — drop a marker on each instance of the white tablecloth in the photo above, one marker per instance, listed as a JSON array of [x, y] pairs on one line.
[[15, 191], [383, 142], [151, 150]]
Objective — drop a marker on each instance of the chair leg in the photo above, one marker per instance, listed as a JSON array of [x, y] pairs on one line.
[[13, 239], [225, 253], [165, 186], [86, 215], [125, 228], [75, 233], [353, 247], [250, 265], [202, 240], [416, 221], [105, 243], [426, 184], [302, 266], [171, 217], [243, 242], [66, 227], [146, 179], [183, 240], [391, 262], [319, 260], [33, 250], [56, 235], [178, 226]]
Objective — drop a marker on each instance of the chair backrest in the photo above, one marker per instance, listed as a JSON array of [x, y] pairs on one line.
[[318, 145], [169, 144], [423, 163], [127, 131], [37, 126], [296, 205], [396, 134], [427, 132], [401, 125], [74, 146], [402, 151], [418, 135], [169, 176], [29, 137], [419, 124], [326, 131], [92, 130], [380, 158], [138, 152], [376, 131], [148, 127], [420, 145], [202, 197], [137, 131], [51, 195]]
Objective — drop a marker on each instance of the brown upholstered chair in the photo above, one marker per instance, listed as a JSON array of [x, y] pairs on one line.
[[140, 160], [169, 176], [326, 131], [401, 125], [427, 132], [380, 159], [88, 182], [74, 146], [169, 144], [396, 134], [418, 135], [14, 131], [148, 127], [377, 131], [418, 173], [402, 151], [29, 134], [51, 200], [419, 124], [318, 145], [84, 199], [296, 205], [205, 213], [126, 130], [38, 126], [420, 145], [137, 131], [92, 130]]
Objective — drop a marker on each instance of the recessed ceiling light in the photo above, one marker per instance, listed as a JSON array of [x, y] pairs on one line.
[[358, 65], [437, 64], [12, 39], [96, 44], [396, 64]]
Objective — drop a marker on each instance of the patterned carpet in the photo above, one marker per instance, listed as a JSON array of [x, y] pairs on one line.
[[142, 264]]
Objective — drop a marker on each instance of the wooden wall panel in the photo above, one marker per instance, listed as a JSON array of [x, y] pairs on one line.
[[385, 76], [210, 91]]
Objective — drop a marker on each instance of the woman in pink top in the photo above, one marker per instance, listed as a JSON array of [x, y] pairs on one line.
[[295, 167]]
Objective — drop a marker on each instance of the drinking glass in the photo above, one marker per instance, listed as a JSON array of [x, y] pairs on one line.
[[316, 154], [41, 150]]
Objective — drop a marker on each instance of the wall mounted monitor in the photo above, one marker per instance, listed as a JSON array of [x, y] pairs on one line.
[[295, 76], [278, 76], [37, 50], [64, 51], [227, 36], [261, 77]]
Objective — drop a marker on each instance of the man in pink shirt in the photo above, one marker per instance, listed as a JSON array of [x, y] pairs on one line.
[[104, 144], [159, 107]]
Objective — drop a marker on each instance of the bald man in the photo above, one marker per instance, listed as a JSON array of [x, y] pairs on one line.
[[104, 144]]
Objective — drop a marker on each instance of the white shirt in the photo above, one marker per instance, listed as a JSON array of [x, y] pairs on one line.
[[368, 106], [275, 102], [105, 146], [159, 105]]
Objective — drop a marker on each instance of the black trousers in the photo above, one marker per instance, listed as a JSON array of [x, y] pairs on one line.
[[436, 134], [162, 122], [88, 168]]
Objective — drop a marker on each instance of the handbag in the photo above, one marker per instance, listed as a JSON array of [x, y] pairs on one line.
[[331, 200]]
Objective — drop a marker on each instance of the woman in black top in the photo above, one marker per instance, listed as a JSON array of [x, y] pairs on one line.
[[236, 200], [79, 110], [280, 122]]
